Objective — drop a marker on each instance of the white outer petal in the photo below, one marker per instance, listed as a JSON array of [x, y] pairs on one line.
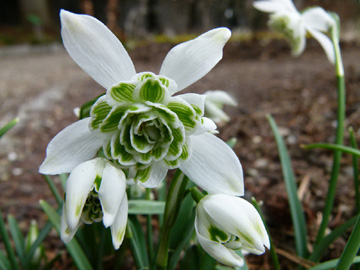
[[70, 147], [157, 174], [65, 233], [194, 99], [215, 249], [325, 43], [95, 49], [78, 186], [190, 61], [119, 226], [111, 192], [271, 6], [220, 97], [237, 216], [318, 19], [214, 166]]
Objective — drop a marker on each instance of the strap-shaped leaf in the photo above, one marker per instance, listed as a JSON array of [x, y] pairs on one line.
[[297, 212], [18, 239], [145, 207], [73, 247]]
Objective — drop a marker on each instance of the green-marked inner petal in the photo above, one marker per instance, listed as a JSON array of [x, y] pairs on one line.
[[143, 175], [185, 113], [122, 92], [113, 119], [152, 90], [99, 111]]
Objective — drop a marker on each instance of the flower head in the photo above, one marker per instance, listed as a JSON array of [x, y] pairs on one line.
[[95, 191], [215, 100], [139, 124], [225, 223], [286, 19]]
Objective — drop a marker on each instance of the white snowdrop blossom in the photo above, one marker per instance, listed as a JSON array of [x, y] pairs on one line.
[[286, 19], [95, 191], [226, 223], [139, 124], [214, 103]]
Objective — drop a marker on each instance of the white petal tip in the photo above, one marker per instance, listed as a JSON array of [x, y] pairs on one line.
[[108, 220]]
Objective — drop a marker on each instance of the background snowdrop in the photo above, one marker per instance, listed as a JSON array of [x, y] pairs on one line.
[[286, 19]]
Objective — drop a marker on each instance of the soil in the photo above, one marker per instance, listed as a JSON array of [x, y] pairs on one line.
[[43, 88]]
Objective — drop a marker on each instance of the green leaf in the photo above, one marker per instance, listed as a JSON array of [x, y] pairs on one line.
[[297, 212], [18, 238], [355, 162], [73, 247], [53, 189], [331, 264], [4, 262], [8, 126], [137, 242], [145, 207], [7, 244], [191, 260], [331, 237], [351, 248]]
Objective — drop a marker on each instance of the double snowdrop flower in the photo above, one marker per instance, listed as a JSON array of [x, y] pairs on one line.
[[139, 124], [225, 224], [95, 191], [286, 19]]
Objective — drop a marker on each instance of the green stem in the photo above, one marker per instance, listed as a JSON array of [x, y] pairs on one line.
[[351, 248], [149, 229], [339, 136], [173, 202], [355, 162]]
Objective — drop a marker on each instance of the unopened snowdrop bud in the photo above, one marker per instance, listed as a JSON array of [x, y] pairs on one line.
[[226, 223], [214, 103], [95, 191]]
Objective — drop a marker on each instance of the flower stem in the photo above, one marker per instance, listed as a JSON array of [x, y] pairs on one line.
[[196, 194], [149, 229], [339, 136], [173, 202]]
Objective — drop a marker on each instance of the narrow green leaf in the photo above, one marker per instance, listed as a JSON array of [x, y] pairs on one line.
[[334, 147], [63, 179], [297, 212], [7, 244], [351, 248], [53, 189], [191, 260], [145, 207], [73, 247], [137, 243], [327, 240], [18, 238], [332, 264], [4, 262], [8, 126], [355, 161]]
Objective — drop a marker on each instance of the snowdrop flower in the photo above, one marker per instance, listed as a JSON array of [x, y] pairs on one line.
[[286, 19], [138, 123], [215, 100], [225, 223], [95, 191]]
